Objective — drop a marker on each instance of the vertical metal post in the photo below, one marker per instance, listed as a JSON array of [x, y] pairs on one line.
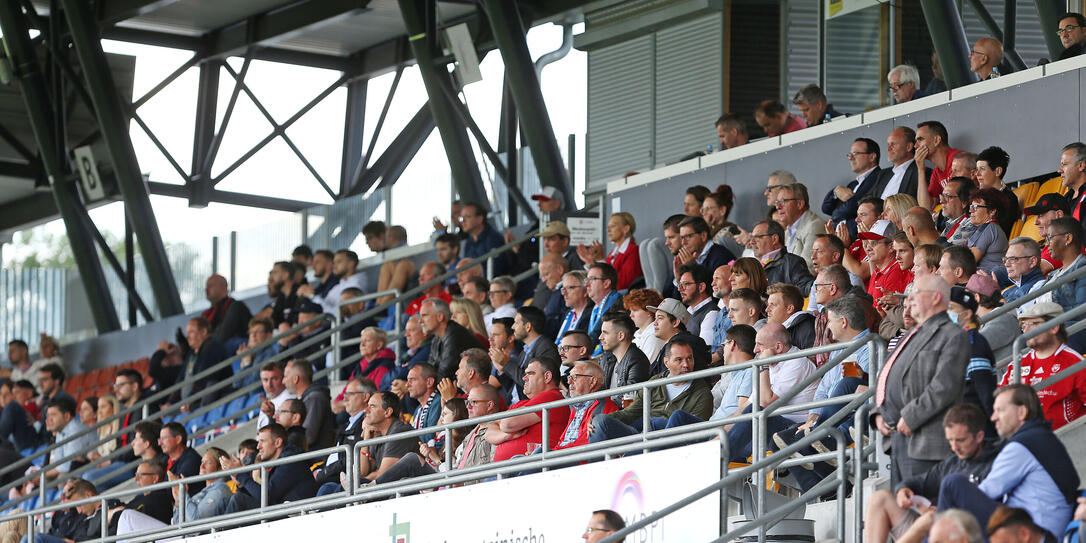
[[1010, 16], [571, 163], [507, 144], [893, 38], [114, 126], [354, 126], [509, 34], [1048, 11], [454, 137], [233, 258], [130, 270], [207, 100], [948, 36], [35, 97]]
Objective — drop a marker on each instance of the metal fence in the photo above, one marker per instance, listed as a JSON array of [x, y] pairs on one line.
[[34, 301]]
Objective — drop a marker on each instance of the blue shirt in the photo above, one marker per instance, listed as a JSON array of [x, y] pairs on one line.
[[836, 373], [574, 428], [740, 385]]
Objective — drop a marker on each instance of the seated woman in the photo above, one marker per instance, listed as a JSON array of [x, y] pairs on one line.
[[377, 361], [748, 273], [896, 206], [624, 258], [107, 406], [212, 500], [715, 210], [431, 456], [988, 243], [469, 314], [636, 303]]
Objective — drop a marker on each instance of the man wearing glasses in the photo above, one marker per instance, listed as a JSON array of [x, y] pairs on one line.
[[1023, 264], [985, 57], [585, 378], [502, 290], [602, 524], [841, 202], [956, 226], [801, 225], [1072, 33]]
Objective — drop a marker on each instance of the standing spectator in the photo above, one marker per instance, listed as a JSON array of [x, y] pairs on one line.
[[481, 237], [1061, 402], [128, 385], [622, 363], [904, 83], [227, 317], [920, 381], [523, 434], [1072, 32], [731, 130], [799, 222], [991, 168], [985, 58], [1033, 470], [283, 291], [774, 118], [812, 104], [502, 292], [286, 482], [624, 257], [841, 202], [319, 423], [636, 303], [528, 326], [275, 392], [901, 177], [932, 143], [450, 339]]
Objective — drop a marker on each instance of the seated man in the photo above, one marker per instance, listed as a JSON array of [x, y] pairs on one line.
[[87, 525], [896, 511], [422, 387], [1015, 525], [622, 362], [290, 416], [157, 504], [275, 392], [427, 273], [181, 460], [320, 428], [738, 348], [60, 420], [523, 434], [382, 418], [357, 396], [585, 378], [1033, 470], [227, 316], [781, 266], [286, 482], [841, 202], [501, 293], [671, 318], [260, 330], [693, 397], [773, 340], [785, 307]]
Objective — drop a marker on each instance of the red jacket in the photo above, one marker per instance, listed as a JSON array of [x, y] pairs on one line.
[[582, 432], [628, 265]]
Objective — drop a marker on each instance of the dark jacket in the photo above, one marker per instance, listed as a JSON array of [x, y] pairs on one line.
[[802, 330], [488, 239], [717, 256], [976, 468], [789, 268], [88, 528], [157, 504], [555, 311], [320, 426], [188, 464], [633, 368], [846, 211], [346, 351], [287, 482], [512, 375], [228, 319], [445, 351], [211, 352], [697, 317], [701, 353], [407, 361], [346, 436]]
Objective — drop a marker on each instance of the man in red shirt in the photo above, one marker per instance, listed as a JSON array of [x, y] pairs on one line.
[[427, 273], [774, 118], [522, 434], [886, 275], [1065, 400], [933, 144]]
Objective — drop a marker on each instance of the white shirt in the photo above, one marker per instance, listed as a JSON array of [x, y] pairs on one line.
[[646, 340], [277, 401], [621, 249], [506, 311], [860, 179], [706, 323], [334, 457], [785, 375], [330, 301], [893, 186]]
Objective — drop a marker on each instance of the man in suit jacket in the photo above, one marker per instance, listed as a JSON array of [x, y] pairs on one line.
[[841, 202], [355, 398], [450, 338], [528, 326], [920, 381], [622, 362], [697, 248], [600, 284], [800, 224], [780, 265], [901, 177]]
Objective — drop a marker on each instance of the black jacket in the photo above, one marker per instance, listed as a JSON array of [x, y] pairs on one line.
[[346, 436], [228, 319], [188, 464], [908, 181], [633, 368], [927, 484], [157, 504], [287, 482], [789, 268], [445, 351], [802, 330], [320, 426]]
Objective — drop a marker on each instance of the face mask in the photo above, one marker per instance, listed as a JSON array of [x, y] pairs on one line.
[[953, 316]]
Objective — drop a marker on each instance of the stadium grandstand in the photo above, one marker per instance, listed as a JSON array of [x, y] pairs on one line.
[[824, 278]]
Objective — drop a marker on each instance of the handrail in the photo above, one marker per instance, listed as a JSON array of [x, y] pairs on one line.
[[1049, 286], [1016, 346], [337, 343], [145, 402]]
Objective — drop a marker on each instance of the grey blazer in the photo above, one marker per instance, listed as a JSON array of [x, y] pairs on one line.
[[927, 378]]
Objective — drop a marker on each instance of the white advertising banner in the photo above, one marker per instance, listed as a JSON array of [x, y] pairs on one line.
[[583, 230], [552, 506]]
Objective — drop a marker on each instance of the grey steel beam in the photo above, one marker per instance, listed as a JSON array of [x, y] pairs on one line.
[[112, 11], [279, 24], [354, 127], [398, 153], [1049, 11], [14, 168], [207, 101], [32, 83], [1005, 38], [228, 197], [114, 127], [507, 144], [523, 81], [454, 137], [948, 36]]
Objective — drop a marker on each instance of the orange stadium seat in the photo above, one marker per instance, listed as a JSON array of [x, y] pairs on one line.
[[1016, 228], [1026, 194], [1029, 229], [1052, 185]]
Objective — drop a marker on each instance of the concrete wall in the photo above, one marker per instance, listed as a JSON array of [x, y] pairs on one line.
[[1032, 114]]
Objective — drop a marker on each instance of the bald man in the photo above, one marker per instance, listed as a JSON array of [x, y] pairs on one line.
[[548, 293], [920, 228], [920, 381], [228, 317], [986, 55]]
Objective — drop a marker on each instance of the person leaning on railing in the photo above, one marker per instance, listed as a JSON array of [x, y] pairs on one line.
[[286, 482]]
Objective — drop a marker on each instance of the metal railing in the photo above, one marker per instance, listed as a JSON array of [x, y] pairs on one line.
[[548, 458], [337, 343], [1049, 286], [144, 404]]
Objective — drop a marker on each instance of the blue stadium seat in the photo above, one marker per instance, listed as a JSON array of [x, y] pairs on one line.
[[236, 407], [252, 406]]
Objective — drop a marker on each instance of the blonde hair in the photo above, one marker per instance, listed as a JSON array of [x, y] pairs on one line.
[[12, 531], [473, 311], [900, 203], [109, 446], [377, 333], [627, 219]]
